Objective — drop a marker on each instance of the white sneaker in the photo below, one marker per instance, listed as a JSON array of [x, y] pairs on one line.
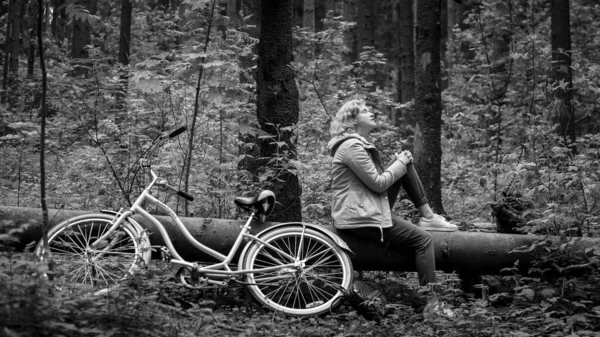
[[437, 224]]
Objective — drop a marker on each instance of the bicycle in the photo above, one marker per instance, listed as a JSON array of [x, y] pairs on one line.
[[299, 269]]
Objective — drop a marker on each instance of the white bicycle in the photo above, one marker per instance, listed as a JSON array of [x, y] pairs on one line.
[[297, 268]]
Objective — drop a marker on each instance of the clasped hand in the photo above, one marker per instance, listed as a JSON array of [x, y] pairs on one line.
[[405, 157]]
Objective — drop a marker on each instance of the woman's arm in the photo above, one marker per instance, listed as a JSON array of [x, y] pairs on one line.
[[358, 160]]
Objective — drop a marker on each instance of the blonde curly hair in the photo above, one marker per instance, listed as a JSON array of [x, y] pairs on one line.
[[344, 118]]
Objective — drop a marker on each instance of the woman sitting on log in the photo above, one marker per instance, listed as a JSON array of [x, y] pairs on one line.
[[364, 193]]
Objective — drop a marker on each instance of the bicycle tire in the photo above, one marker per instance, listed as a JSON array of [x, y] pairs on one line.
[[313, 289], [125, 252]]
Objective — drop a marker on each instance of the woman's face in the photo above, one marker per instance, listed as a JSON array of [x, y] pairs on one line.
[[365, 120]]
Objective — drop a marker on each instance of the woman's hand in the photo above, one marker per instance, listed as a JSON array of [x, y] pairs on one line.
[[405, 157]]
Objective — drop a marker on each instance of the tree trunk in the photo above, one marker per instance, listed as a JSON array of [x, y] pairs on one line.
[[5, 72], [365, 22], [308, 17], [428, 106], [32, 35], [462, 252], [444, 41], [320, 13], [59, 21], [80, 39], [43, 112], [192, 129], [124, 49], [350, 37], [249, 150], [278, 108], [14, 40], [454, 19], [561, 69], [406, 74], [233, 9], [13, 49]]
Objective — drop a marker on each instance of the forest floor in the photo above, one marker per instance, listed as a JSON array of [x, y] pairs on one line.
[[154, 305]]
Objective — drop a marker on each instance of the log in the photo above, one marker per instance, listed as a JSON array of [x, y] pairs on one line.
[[468, 253]]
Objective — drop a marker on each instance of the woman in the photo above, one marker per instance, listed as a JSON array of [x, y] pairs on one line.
[[364, 192]]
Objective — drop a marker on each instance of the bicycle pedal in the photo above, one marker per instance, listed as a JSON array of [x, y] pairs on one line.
[[165, 254]]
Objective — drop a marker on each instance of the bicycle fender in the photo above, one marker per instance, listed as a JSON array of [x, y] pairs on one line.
[[336, 239], [135, 224], [147, 255]]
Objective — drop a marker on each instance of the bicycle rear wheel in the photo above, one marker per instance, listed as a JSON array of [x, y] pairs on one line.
[[313, 288], [123, 253]]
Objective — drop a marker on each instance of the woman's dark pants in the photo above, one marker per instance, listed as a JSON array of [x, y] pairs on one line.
[[403, 234]]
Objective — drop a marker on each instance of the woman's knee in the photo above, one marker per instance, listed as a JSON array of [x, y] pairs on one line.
[[425, 238]]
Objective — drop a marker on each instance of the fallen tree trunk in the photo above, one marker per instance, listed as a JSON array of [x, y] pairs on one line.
[[463, 252]]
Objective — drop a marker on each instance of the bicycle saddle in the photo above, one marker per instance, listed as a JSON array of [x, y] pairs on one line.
[[262, 204]]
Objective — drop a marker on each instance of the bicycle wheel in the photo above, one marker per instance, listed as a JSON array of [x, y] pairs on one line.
[[124, 252], [312, 288]]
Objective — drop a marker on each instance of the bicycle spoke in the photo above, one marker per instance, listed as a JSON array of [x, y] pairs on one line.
[[78, 271], [327, 281], [77, 263], [72, 244]]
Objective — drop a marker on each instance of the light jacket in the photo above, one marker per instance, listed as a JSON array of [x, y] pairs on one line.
[[360, 183]]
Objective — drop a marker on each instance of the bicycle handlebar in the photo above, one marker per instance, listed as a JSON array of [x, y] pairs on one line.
[[185, 195], [182, 194], [177, 132]]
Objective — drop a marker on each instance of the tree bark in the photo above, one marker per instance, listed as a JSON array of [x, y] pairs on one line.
[[32, 36], [365, 22], [308, 15], [463, 252], [43, 112], [5, 66], [406, 74], [124, 49], [278, 108], [350, 36], [57, 27], [561, 69], [80, 39], [320, 14], [444, 41], [14, 40], [428, 105]]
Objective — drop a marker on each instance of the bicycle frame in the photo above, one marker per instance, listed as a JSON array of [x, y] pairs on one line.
[[220, 269]]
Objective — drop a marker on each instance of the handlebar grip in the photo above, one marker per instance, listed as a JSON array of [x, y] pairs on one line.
[[185, 195], [177, 132]]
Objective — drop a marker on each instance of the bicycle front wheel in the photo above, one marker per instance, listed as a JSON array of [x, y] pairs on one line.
[[314, 287], [125, 251]]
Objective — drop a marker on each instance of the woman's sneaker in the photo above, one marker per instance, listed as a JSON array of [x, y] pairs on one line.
[[437, 224]]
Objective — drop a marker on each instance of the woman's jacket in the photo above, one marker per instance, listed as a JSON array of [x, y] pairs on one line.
[[360, 184]]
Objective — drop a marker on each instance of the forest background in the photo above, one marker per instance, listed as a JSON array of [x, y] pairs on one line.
[[512, 118]]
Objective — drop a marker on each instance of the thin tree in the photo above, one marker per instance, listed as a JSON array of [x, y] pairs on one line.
[[12, 48], [278, 107], [350, 38], [124, 48], [406, 70], [82, 38], [562, 74], [428, 101], [43, 128], [31, 35], [308, 17], [7, 54], [190, 151]]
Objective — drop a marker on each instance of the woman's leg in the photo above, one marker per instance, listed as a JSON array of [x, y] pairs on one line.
[[412, 185], [416, 192], [403, 235]]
